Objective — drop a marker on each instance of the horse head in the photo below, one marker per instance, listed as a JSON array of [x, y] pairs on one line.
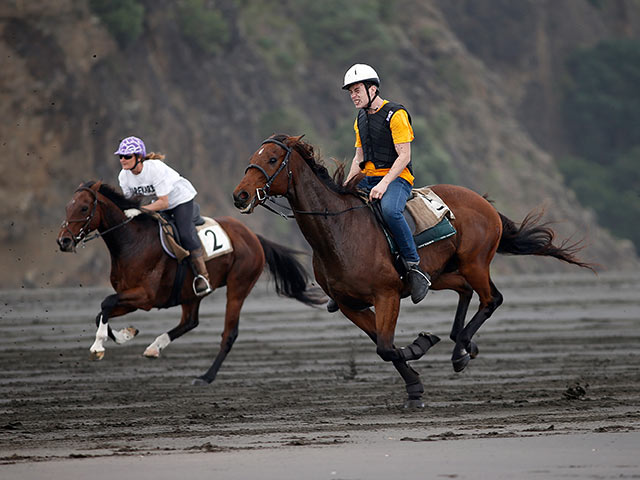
[[268, 173], [81, 216]]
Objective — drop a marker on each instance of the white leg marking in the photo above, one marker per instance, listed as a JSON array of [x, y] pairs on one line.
[[124, 335], [101, 337], [153, 350]]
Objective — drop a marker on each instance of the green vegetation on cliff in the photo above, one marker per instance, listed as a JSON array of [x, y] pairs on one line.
[[602, 111], [123, 18]]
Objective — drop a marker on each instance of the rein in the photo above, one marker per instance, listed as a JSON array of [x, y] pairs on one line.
[[101, 234], [323, 213], [81, 237], [262, 194]]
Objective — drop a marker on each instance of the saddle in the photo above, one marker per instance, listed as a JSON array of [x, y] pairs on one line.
[[428, 218], [214, 240]]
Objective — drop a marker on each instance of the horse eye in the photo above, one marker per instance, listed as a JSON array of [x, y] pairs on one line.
[[273, 160], [84, 209]]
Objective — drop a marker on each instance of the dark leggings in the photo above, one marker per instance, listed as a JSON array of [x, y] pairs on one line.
[[183, 216]]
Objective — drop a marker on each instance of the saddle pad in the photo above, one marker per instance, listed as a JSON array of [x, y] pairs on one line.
[[442, 230], [214, 239], [426, 210]]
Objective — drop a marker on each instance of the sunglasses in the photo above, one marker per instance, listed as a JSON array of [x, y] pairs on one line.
[[127, 157]]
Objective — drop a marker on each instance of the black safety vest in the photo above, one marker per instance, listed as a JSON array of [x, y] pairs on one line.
[[376, 138]]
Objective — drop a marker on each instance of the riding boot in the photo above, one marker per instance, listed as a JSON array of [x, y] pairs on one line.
[[419, 282], [201, 286]]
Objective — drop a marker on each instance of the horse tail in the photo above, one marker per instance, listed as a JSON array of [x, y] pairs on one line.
[[535, 238], [290, 276]]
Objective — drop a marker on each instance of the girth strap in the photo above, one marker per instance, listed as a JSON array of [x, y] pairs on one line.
[[178, 282]]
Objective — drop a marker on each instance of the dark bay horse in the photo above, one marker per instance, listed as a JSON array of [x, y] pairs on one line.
[[353, 264], [142, 274]]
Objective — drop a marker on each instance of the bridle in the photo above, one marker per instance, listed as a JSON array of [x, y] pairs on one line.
[[262, 193], [85, 229]]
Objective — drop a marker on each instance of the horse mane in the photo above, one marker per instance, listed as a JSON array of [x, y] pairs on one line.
[[122, 202], [335, 182]]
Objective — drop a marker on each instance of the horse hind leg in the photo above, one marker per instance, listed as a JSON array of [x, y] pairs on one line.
[[465, 349], [235, 299], [457, 283]]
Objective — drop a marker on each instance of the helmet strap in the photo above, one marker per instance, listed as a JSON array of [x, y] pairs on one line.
[[366, 87], [138, 160]]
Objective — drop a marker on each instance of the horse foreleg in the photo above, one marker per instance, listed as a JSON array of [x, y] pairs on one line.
[[113, 306], [188, 321], [96, 351], [366, 320], [229, 335]]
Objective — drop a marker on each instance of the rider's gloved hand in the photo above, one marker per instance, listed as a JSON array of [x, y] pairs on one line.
[[132, 212]]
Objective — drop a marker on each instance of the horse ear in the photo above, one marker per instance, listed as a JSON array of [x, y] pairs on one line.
[[96, 186], [295, 140]]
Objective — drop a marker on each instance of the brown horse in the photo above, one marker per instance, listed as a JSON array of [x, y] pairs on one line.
[[143, 275], [352, 260]]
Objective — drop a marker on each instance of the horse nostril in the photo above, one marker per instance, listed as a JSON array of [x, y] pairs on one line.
[[65, 243], [240, 198]]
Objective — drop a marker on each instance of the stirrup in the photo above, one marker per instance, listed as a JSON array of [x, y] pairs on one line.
[[204, 292]]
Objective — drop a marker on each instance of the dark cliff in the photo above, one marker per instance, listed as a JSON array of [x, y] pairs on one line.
[[480, 80]]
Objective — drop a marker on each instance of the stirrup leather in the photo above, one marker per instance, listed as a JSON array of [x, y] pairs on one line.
[[204, 292]]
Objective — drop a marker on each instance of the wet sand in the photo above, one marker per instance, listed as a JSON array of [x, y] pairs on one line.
[[377, 456], [555, 392]]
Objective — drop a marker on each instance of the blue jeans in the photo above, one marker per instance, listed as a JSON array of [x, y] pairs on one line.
[[393, 202]]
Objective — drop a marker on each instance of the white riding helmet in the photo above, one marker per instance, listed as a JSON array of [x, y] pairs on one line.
[[360, 72]]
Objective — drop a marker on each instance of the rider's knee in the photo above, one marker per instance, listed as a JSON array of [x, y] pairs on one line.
[[391, 212]]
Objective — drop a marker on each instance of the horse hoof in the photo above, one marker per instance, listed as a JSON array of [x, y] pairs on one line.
[[96, 355], [413, 404], [151, 353], [125, 334], [129, 332], [199, 382], [473, 350], [460, 363]]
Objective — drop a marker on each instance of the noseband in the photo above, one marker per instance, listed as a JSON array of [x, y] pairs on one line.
[[262, 194]]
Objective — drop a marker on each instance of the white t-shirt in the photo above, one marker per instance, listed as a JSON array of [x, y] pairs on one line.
[[155, 180]]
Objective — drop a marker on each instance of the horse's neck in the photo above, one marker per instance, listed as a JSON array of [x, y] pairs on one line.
[[121, 238], [331, 234]]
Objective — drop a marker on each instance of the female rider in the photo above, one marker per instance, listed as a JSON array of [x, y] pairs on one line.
[[146, 175]]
